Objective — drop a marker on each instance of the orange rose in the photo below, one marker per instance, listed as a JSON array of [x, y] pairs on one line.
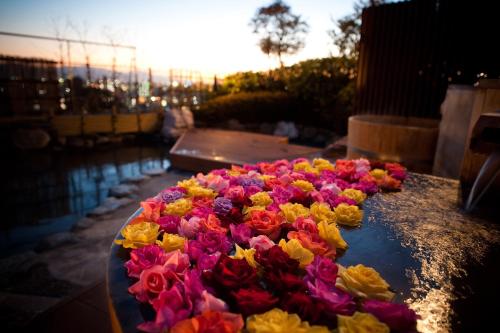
[[313, 243], [212, 223], [265, 222], [210, 321]]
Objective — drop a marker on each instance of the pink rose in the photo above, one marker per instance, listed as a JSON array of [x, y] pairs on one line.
[[150, 284], [306, 224], [190, 228], [261, 243], [144, 258], [208, 302]]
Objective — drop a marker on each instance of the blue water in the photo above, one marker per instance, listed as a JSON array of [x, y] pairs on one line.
[[47, 192]]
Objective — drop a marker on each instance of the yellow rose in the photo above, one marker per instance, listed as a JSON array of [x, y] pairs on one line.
[[322, 164], [172, 242], [364, 282], [261, 199], [349, 215], [378, 173], [304, 185], [320, 211], [187, 183], [305, 166], [292, 211], [279, 321], [354, 194], [361, 323], [179, 207], [264, 178], [138, 235], [199, 191], [296, 251], [331, 234], [247, 210], [247, 254]]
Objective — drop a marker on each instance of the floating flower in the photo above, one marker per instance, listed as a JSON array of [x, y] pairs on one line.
[[190, 228], [304, 185], [296, 251], [240, 233], [247, 211], [323, 269], [208, 302], [349, 215], [306, 224], [313, 243], [334, 300], [265, 223], [306, 167], [247, 254], [331, 234], [361, 323], [144, 258], [253, 300], [276, 259], [279, 321], [322, 212], [292, 211], [322, 164], [364, 282], [169, 223], [354, 194], [261, 243], [222, 206], [397, 316], [172, 242], [179, 207], [210, 322], [232, 273], [261, 199], [138, 235], [378, 173]]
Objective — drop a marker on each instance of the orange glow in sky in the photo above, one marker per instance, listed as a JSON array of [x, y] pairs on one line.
[[213, 37]]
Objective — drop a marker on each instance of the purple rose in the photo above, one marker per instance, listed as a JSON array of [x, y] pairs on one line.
[[208, 242], [397, 316], [335, 300], [341, 199], [144, 258], [366, 187], [169, 223], [240, 233], [281, 195], [207, 261], [171, 306], [189, 228], [322, 269], [247, 181], [222, 206], [169, 196]]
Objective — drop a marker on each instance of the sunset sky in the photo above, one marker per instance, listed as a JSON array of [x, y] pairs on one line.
[[213, 37]]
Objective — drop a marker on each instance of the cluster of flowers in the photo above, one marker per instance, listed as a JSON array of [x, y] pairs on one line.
[[254, 248]]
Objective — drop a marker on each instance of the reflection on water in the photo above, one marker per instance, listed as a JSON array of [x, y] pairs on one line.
[[450, 259], [44, 192]]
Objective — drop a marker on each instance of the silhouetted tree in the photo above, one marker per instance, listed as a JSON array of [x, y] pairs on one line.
[[348, 32], [281, 31]]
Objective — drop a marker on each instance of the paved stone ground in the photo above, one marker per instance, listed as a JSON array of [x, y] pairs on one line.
[[33, 282]]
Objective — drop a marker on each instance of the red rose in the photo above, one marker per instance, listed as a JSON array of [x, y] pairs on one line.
[[265, 222], [275, 260], [284, 282], [233, 273], [253, 300], [303, 305]]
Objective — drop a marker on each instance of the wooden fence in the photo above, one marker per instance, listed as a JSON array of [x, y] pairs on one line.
[[410, 51]]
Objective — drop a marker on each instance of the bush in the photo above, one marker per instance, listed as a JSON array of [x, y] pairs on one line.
[[247, 107]]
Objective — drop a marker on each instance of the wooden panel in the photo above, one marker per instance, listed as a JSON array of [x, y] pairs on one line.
[[98, 123], [126, 123], [456, 112], [411, 141], [203, 150], [70, 125], [149, 122]]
